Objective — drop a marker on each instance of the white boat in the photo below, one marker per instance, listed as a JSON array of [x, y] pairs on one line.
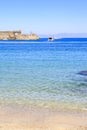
[[50, 39]]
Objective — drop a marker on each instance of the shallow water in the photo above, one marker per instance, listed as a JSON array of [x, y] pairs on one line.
[[44, 74]]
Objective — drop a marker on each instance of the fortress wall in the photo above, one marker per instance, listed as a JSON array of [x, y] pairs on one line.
[[9, 34], [17, 35]]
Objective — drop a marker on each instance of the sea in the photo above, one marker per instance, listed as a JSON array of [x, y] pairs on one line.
[[44, 74]]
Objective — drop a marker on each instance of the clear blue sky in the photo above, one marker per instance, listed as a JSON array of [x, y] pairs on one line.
[[44, 16]]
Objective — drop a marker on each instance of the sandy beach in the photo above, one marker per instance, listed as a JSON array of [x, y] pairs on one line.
[[31, 118]]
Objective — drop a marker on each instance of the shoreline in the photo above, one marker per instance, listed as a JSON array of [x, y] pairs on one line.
[[40, 88], [32, 118]]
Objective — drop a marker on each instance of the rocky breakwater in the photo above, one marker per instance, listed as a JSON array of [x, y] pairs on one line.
[[27, 37]]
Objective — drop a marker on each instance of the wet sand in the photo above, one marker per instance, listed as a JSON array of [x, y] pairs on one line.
[[32, 118]]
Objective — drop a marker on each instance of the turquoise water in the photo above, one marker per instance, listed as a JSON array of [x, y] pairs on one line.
[[44, 74]]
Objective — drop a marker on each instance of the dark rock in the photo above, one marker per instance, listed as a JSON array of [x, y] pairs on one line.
[[84, 73]]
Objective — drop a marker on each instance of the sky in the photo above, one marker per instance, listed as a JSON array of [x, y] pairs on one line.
[[44, 16]]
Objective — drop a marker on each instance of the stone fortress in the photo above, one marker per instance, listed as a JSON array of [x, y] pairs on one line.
[[17, 35]]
